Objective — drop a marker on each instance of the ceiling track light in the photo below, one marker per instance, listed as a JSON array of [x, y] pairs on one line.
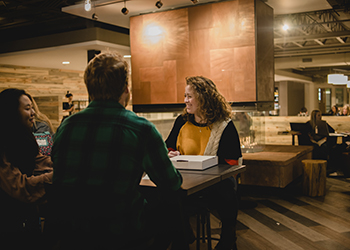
[[87, 5], [159, 4], [124, 10], [94, 16], [194, 1]]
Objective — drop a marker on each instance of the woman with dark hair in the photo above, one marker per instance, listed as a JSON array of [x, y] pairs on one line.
[[23, 171], [318, 131], [205, 128], [334, 111]]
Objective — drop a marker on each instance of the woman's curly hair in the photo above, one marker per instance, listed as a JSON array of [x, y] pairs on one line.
[[212, 104]]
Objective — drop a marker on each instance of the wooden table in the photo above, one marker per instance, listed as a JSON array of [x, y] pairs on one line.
[[275, 166], [196, 180]]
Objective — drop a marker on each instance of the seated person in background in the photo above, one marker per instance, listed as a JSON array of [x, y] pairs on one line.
[[318, 132], [303, 112], [99, 156], [23, 173], [43, 131], [244, 123], [41, 122], [345, 111], [334, 111], [205, 128]]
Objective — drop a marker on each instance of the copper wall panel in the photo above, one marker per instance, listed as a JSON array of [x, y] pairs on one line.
[[143, 96], [214, 40], [200, 17]]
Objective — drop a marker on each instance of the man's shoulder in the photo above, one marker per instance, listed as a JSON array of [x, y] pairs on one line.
[[135, 119]]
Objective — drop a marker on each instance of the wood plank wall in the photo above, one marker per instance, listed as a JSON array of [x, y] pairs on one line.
[[48, 86]]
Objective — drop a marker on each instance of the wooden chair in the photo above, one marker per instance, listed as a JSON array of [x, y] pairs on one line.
[[300, 129]]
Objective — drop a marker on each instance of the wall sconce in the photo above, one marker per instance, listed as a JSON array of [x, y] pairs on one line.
[[124, 10], [87, 5], [159, 4]]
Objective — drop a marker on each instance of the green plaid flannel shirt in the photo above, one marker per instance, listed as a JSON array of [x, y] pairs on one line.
[[100, 153]]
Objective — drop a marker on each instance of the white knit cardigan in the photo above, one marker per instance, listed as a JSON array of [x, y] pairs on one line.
[[215, 136]]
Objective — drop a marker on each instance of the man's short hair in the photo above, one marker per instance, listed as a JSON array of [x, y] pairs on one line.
[[106, 77]]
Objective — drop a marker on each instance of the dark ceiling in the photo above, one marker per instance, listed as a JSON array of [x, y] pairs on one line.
[[31, 18], [323, 32]]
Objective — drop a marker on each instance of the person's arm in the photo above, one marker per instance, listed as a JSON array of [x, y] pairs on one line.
[[43, 164], [229, 150], [231, 162], [157, 163], [20, 186], [71, 109], [172, 137]]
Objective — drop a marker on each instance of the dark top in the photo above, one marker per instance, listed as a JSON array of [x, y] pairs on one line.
[[323, 130]]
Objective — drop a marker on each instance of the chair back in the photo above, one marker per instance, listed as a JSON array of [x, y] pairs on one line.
[[303, 137]]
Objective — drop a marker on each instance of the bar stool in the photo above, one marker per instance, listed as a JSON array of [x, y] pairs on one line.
[[200, 209]]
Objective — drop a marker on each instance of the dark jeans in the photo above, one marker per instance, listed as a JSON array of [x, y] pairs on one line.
[[164, 224], [166, 218]]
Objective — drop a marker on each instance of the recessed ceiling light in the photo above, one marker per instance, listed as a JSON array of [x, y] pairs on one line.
[[127, 56], [65, 63]]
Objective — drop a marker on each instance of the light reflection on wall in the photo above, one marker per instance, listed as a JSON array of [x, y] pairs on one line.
[[153, 33]]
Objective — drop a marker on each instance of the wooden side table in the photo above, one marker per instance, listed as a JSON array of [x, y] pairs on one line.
[[314, 177]]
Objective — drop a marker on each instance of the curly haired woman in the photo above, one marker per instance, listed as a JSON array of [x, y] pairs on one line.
[[205, 128]]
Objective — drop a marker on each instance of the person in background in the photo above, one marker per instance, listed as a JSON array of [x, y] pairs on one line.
[[345, 111], [205, 128], [70, 106], [99, 156], [23, 172], [334, 111], [41, 122], [245, 122], [303, 112], [318, 131]]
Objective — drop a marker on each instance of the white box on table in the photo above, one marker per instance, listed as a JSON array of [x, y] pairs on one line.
[[194, 162]]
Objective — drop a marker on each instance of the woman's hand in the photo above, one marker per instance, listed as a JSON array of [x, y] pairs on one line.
[[173, 153]]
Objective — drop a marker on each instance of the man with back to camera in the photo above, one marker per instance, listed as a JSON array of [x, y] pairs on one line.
[[99, 156]]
